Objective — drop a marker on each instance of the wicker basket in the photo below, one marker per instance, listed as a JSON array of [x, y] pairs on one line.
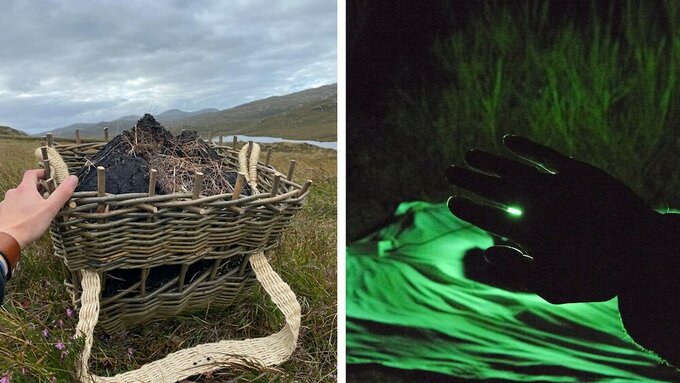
[[206, 241]]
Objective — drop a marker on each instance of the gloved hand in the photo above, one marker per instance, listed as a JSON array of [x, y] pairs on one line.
[[580, 233]]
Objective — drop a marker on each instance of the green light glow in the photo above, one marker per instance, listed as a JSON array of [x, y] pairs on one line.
[[514, 211], [416, 309]]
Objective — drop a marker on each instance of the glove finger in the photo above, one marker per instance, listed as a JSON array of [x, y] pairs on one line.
[[559, 280], [486, 217], [510, 267], [512, 171], [487, 186], [569, 285], [542, 156]]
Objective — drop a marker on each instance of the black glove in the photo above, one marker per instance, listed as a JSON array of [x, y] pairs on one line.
[[579, 232]]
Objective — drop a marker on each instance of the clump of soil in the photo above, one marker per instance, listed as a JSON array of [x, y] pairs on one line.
[[148, 145]]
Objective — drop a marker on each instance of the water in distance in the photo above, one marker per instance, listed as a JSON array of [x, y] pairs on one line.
[[268, 140]]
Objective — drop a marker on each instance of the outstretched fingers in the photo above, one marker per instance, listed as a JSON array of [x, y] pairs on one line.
[[489, 187], [512, 171], [538, 154], [489, 218]]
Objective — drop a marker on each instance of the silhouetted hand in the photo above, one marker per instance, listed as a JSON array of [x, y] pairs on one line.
[[580, 232]]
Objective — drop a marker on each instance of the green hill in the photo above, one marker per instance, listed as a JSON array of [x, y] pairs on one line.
[[307, 115], [7, 131], [316, 120]]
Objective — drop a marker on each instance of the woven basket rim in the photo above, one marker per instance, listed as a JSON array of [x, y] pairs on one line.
[[185, 199]]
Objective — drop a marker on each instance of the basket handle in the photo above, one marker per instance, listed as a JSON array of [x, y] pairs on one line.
[[247, 162], [58, 169], [267, 351]]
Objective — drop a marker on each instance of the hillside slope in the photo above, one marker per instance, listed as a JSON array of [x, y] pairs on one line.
[[307, 115], [7, 131]]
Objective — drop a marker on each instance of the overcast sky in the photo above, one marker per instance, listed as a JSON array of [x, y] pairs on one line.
[[63, 62]]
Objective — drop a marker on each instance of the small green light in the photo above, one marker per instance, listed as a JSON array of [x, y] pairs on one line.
[[514, 211]]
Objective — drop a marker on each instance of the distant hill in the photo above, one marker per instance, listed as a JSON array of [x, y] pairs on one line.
[[176, 114], [307, 115], [7, 131], [321, 116], [122, 123]]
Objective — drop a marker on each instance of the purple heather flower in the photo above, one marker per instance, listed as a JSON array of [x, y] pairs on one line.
[[69, 312], [60, 346], [63, 354], [61, 323], [6, 377], [46, 333], [130, 351], [54, 379]]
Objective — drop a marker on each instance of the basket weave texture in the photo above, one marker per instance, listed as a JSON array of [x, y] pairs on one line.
[[181, 253]]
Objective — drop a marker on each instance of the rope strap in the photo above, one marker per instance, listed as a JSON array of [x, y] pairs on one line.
[[58, 167], [248, 165], [268, 351]]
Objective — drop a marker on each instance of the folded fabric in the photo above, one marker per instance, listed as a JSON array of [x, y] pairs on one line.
[[411, 305]]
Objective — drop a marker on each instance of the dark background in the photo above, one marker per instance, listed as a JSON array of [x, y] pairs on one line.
[[387, 46], [391, 67]]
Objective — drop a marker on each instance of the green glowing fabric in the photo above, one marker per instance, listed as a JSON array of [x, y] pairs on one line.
[[411, 307]]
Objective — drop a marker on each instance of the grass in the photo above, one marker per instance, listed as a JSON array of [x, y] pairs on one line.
[[36, 299], [603, 87]]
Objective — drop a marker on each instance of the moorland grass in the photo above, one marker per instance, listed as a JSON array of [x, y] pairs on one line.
[[36, 299], [604, 88]]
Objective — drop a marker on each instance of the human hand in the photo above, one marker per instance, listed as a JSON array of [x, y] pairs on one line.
[[25, 214], [579, 232]]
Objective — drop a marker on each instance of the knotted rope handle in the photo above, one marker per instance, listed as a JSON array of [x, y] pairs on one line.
[[267, 351], [58, 168], [248, 164]]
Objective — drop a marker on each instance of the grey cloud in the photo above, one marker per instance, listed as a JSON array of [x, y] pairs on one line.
[[87, 61]]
